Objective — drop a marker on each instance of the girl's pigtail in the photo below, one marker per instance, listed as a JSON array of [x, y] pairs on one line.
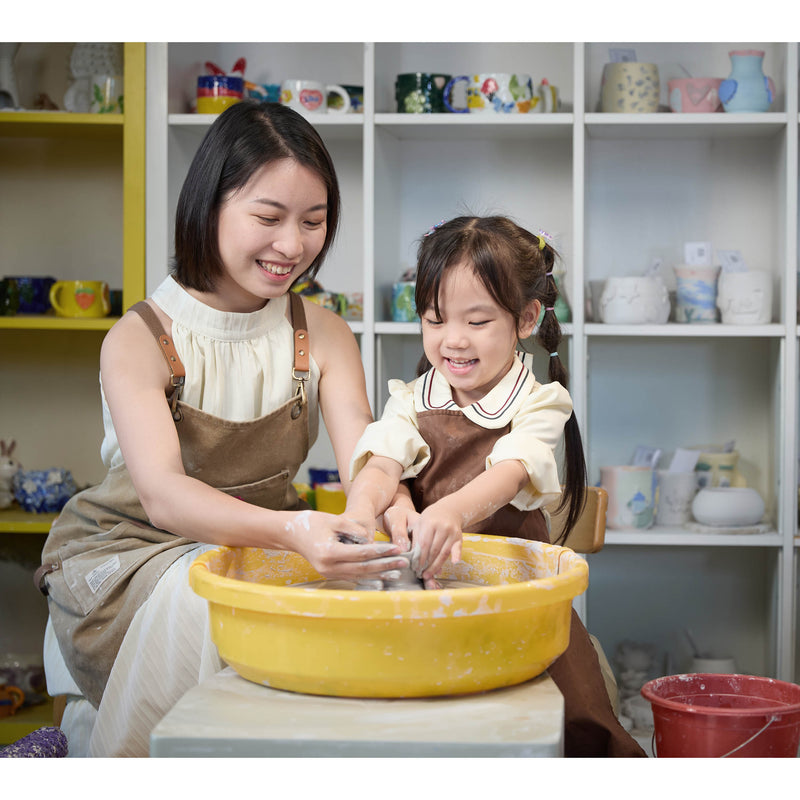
[[548, 336]]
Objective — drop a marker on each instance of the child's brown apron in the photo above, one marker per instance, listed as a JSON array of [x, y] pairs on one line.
[[102, 557], [459, 449]]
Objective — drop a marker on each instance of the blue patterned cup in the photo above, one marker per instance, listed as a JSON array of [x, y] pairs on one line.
[[696, 299]]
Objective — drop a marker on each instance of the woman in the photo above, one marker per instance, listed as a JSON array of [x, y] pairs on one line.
[[211, 390]]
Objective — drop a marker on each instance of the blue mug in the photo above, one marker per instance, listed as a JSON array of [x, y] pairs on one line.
[[34, 293]]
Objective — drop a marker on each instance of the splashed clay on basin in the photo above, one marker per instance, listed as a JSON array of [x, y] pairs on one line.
[[505, 631]]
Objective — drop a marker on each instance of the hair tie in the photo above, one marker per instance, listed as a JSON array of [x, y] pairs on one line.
[[434, 228], [554, 354], [549, 308], [549, 274], [544, 238]]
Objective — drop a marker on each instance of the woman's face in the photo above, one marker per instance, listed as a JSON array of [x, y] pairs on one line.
[[474, 342], [270, 231]]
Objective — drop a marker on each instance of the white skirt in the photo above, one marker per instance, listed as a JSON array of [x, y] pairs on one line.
[[166, 651]]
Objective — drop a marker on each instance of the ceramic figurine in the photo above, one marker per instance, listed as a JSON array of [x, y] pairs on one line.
[[747, 88], [8, 468], [44, 490]]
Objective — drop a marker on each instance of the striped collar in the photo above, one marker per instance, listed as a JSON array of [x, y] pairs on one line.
[[495, 410]]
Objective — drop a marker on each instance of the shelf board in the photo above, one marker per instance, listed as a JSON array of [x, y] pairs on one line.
[[47, 322], [684, 330], [685, 126], [27, 720], [332, 126], [61, 124], [15, 520], [672, 537], [476, 126]]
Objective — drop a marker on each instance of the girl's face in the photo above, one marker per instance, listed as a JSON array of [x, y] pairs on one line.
[[270, 231], [474, 342]]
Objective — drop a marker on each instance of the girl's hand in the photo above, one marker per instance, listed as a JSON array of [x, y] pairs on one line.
[[397, 522], [438, 535], [321, 539]]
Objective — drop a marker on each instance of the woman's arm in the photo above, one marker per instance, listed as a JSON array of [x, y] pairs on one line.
[[135, 377], [342, 385]]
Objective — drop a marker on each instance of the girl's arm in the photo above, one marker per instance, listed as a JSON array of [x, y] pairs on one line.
[[372, 491], [438, 530], [135, 376]]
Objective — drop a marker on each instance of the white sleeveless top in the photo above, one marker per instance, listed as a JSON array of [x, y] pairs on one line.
[[238, 366]]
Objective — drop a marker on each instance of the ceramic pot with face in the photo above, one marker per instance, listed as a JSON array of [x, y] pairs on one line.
[[745, 298], [637, 300]]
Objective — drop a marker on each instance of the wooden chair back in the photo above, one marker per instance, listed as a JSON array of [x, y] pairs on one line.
[[589, 533]]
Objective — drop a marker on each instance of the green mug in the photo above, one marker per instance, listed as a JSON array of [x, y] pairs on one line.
[[420, 92]]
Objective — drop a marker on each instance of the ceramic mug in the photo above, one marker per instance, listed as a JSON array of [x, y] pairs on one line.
[[404, 309], [313, 96], [34, 293], [718, 469], [420, 92], [631, 495], [696, 298], [356, 95], [215, 93], [629, 87], [745, 298], [107, 94], [80, 298], [11, 698], [9, 297], [675, 493], [694, 95], [493, 92]]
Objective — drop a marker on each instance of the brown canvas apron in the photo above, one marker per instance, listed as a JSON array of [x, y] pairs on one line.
[[102, 557], [459, 449]]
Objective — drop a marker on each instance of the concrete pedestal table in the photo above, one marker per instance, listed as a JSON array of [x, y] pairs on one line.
[[228, 716]]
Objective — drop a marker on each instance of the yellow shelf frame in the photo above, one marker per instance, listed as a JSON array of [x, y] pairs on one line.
[[27, 720]]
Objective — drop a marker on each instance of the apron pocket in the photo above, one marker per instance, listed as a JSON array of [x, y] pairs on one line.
[[267, 493]]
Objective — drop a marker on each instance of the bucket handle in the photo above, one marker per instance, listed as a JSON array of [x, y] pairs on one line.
[[730, 752]]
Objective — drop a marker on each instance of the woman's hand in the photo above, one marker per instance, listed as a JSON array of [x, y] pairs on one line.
[[326, 542]]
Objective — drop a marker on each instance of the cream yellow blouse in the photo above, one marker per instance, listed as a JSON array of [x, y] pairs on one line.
[[537, 413], [238, 366]]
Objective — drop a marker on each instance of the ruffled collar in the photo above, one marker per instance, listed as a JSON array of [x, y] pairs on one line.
[[201, 319], [432, 392]]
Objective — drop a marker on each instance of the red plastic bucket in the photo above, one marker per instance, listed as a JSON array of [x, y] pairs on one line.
[[703, 715]]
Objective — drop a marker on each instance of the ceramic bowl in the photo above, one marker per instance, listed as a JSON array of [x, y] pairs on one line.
[[725, 506], [694, 95]]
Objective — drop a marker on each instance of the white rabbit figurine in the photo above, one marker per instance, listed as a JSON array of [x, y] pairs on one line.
[[8, 468]]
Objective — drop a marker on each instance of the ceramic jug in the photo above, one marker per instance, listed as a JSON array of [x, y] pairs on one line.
[[746, 88]]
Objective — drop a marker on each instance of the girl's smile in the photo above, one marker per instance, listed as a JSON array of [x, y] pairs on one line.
[[474, 341]]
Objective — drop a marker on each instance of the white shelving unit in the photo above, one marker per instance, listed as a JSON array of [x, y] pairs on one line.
[[617, 191]]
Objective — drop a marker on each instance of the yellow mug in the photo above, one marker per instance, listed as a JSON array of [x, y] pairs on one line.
[[80, 298]]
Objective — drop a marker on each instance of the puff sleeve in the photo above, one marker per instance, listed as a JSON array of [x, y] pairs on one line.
[[536, 430], [395, 435]]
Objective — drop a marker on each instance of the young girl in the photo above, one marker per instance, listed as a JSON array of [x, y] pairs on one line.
[[473, 437], [211, 391]]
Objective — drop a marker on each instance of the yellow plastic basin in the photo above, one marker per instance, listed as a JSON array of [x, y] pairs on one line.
[[396, 643]]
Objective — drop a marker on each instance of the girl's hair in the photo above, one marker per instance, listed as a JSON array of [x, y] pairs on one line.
[[516, 267], [244, 138]]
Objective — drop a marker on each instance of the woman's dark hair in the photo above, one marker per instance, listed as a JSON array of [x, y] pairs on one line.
[[516, 267], [244, 138]]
